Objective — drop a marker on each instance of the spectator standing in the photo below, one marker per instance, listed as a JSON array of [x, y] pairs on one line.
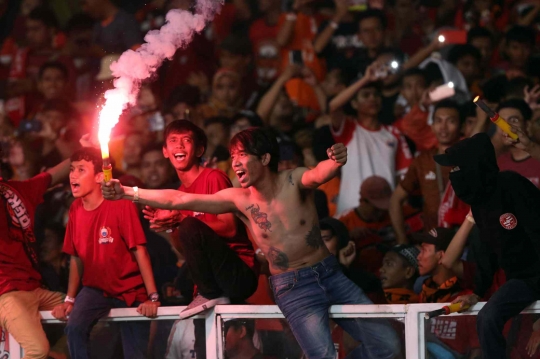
[[424, 175], [519, 114], [116, 31], [375, 149]]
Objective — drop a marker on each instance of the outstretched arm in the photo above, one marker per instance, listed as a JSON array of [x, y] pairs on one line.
[[217, 203], [325, 170]]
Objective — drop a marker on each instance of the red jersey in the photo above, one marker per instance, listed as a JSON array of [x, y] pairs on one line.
[[528, 168], [102, 239], [16, 270], [211, 181]]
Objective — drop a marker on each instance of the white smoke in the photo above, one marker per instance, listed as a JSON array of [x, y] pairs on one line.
[[133, 67]]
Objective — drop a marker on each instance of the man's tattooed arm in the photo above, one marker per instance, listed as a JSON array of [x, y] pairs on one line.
[[278, 259], [314, 239]]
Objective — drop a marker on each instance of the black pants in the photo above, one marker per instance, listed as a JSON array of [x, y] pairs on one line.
[[215, 268], [513, 296]]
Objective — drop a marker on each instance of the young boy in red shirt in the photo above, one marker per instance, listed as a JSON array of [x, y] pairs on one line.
[[108, 253]]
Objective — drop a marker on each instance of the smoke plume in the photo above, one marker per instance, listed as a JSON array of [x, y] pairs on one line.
[[133, 67]]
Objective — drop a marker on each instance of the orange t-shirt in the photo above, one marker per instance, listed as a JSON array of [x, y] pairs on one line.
[[331, 189], [305, 31], [415, 126]]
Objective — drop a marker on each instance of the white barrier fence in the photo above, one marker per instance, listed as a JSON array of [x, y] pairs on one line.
[[411, 314]]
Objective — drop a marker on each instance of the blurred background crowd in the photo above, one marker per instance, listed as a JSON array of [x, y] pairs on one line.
[[391, 79]]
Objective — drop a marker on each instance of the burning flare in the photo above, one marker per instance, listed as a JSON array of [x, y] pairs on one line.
[[133, 67]]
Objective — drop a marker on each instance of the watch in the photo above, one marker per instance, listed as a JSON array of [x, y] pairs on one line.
[[154, 297]]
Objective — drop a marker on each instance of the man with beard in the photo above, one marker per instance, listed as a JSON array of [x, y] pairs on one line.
[[506, 208]]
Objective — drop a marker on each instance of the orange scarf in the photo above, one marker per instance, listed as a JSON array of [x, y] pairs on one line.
[[432, 293], [400, 296]]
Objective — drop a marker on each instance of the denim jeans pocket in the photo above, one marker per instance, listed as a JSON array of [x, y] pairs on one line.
[[283, 288]]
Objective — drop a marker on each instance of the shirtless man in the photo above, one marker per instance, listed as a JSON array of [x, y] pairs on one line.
[[279, 210]]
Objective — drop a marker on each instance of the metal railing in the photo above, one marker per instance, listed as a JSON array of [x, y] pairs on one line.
[[411, 314]]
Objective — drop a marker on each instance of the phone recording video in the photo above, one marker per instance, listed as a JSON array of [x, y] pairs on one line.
[[295, 58]]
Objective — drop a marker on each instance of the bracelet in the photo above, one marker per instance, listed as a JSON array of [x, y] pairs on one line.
[[69, 299], [334, 25], [135, 194], [290, 16]]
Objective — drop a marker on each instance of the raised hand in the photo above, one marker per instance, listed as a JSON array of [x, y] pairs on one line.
[[338, 153], [532, 96], [347, 254]]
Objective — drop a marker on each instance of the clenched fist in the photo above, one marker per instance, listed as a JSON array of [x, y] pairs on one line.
[[338, 153]]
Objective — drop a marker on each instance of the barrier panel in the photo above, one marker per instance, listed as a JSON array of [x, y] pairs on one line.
[[409, 317]]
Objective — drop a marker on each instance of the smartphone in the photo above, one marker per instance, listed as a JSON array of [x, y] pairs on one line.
[[295, 58], [442, 92], [453, 37]]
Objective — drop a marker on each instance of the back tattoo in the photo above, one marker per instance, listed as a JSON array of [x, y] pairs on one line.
[[259, 217]]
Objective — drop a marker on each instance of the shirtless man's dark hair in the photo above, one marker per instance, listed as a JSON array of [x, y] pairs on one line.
[[257, 141]]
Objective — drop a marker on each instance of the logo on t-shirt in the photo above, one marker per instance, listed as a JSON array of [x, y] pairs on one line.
[[105, 235], [430, 176], [508, 221]]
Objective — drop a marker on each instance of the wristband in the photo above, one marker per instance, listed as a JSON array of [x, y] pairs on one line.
[[69, 299], [470, 219], [290, 16], [135, 194], [334, 25]]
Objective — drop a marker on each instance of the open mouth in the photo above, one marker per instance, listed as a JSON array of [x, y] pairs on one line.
[[75, 186], [180, 156], [240, 174]]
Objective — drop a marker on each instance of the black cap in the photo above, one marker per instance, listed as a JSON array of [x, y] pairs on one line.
[[408, 252], [441, 237], [467, 151]]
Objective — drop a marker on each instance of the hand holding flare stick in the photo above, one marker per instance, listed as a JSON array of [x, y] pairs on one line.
[[447, 309], [495, 118]]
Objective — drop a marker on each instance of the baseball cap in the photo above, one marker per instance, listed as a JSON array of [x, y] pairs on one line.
[[467, 152], [407, 251], [338, 228], [441, 237], [377, 191]]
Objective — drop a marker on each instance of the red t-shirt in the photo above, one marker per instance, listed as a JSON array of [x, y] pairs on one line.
[[528, 168], [102, 239], [211, 181], [16, 270]]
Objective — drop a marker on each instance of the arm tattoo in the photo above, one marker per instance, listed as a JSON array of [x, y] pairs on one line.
[[259, 217], [313, 238], [290, 179], [278, 259]]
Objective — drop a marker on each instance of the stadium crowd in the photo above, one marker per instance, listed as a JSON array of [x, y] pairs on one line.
[[392, 80]]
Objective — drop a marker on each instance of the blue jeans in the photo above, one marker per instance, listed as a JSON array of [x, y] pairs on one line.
[[90, 306], [304, 297]]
